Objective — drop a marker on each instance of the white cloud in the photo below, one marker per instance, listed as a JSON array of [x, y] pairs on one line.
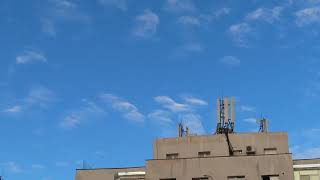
[[37, 166], [268, 15], [170, 104], [88, 111], [128, 110], [146, 24], [30, 57], [239, 33], [11, 167], [179, 6], [160, 116], [193, 122], [222, 12], [251, 120], [120, 4], [40, 96], [195, 101], [189, 20], [308, 16], [48, 27], [230, 60], [13, 109], [245, 108]]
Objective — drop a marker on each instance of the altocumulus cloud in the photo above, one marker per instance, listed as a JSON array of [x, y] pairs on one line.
[[239, 33], [146, 24]]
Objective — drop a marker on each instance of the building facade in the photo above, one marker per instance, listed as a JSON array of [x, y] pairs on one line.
[[250, 156]]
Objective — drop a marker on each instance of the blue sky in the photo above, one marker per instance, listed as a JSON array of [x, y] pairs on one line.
[[98, 80]]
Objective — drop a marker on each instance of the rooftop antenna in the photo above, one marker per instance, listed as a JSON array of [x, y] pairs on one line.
[[225, 119], [225, 115], [181, 131], [263, 125]]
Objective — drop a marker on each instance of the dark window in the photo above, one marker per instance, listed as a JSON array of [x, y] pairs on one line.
[[169, 179], [236, 177], [270, 177], [204, 154], [172, 156], [200, 178]]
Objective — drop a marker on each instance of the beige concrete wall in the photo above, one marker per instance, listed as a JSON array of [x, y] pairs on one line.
[[217, 144], [219, 168], [102, 174]]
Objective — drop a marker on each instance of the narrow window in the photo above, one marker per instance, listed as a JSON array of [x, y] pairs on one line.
[[237, 152], [172, 156], [204, 154], [236, 177], [169, 179], [270, 177], [270, 150], [200, 178]]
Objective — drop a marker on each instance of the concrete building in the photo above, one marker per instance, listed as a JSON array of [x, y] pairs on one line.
[[224, 155], [256, 156]]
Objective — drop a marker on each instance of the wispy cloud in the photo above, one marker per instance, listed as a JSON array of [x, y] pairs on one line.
[[308, 16], [146, 24], [170, 104], [120, 4], [251, 120], [127, 109], [12, 167], [173, 112], [245, 108], [30, 57], [194, 101], [189, 20], [88, 111], [38, 96], [61, 11], [193, 122], [264, 14], [239, 33], [230, 60], [13, 109], [179, 6], [162, 117]]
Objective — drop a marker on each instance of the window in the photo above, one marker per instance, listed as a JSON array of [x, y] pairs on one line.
[[204, 154], [169, 179], [309, 177], [270, 177], [172, 156], [270, 150], [236, 177], [200, 178]]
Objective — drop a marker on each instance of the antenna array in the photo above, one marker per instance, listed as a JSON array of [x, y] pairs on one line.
[[225, 115]]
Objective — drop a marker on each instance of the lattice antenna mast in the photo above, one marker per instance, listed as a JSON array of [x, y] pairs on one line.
[[225, 115]]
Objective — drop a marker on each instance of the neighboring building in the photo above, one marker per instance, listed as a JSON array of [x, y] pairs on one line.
[[306, 169]]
